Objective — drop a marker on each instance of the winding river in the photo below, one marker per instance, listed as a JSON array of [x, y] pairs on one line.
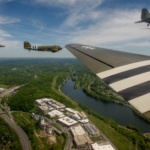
[[123, 115]]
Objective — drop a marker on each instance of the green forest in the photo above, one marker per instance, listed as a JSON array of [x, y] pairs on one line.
[[8, 138]]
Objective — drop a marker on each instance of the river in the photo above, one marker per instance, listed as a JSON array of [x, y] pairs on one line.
[[123, 115]]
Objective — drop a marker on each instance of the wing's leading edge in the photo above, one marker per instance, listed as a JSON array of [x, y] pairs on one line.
[[127, 73]]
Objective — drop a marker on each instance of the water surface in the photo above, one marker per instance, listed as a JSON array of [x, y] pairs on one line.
[[123, 115]]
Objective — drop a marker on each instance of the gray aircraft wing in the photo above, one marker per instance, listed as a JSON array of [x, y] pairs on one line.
[[128, 74], [139, 21]]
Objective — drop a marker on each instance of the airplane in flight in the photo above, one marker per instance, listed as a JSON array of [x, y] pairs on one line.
[[145, 16], [52, 48], [127, 73], [2, 45]]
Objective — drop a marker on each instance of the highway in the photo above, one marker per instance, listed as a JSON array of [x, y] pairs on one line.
[[9, 119]]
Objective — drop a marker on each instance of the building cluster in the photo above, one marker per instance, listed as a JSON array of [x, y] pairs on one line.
[[80, 137], [66, 116], [43, 124], [77, 122]]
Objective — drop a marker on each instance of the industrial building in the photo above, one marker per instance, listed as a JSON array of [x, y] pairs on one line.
[[35, 117], [43, 109], [58, 104], [96, 146], [75, 116], [55, 113], [71, 110], [42, 101], [83, 121], [82, 141], [92, 130], [79, 116], [77, 130], [67, 121], [50, 102], [83, 115], [45, 126], [54, 105]]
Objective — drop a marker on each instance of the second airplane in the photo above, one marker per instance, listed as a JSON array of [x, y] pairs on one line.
[[52, 48]]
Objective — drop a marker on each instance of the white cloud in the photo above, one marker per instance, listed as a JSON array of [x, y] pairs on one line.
[[77, 11], [4, 34], [83, 12], [85, 22], [117, 27], [6, 1], [140, 44], [5, 39], [56, 2], [8, 20], [38, 25]]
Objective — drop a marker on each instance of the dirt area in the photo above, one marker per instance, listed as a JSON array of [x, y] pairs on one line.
[[51, 140], [147, 135], [43, 134]]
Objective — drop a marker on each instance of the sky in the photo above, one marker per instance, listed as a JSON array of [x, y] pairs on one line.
[[102, 23]]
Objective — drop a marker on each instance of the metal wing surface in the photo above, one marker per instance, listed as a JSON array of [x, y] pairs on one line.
[[127, 73]]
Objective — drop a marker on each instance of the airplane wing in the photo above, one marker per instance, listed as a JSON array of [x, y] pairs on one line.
[[128, 74], [139, 21]]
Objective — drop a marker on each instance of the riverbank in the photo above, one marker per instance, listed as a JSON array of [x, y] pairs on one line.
[[121, 114], [120, 136]]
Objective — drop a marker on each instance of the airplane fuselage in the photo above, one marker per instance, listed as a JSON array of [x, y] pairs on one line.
[[147, 20], [54, 48], [51, 48], [2, 45]]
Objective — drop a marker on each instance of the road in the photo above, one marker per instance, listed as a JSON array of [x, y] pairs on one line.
[[69, 141], [21, 134], [8, 91]]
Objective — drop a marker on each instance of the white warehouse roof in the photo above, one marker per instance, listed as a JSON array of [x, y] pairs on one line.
[[77, 130], [67, 121], [95, 146], [54, 113]]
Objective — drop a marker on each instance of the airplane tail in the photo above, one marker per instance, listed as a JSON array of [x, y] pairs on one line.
[[27, 45], [144, 14]]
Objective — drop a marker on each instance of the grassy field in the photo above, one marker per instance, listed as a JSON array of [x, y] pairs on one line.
[[4, 86], [30, 126], [120, 141]]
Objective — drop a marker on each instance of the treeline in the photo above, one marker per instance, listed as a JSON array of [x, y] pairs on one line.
[[24, 99], [21, 71], [131, 132], [42, 73], [93, 86], [8, 138]]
